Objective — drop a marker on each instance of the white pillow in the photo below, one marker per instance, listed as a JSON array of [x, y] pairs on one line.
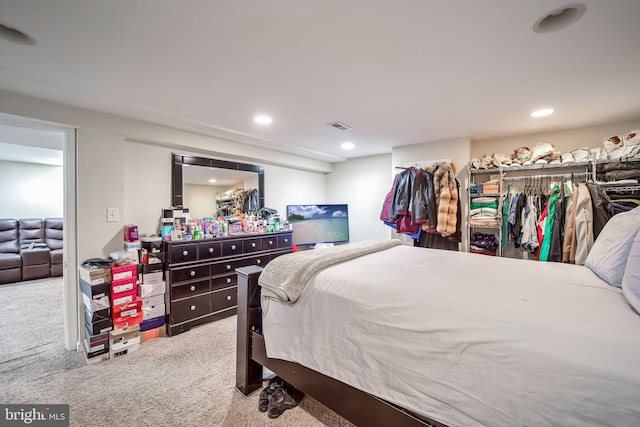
[[631, 279], [610, 251]]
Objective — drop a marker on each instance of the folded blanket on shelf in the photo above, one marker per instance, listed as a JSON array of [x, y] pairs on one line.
[[475, 205], [492, 211]]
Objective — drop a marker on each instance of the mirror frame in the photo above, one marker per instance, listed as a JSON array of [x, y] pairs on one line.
[[177, 160]]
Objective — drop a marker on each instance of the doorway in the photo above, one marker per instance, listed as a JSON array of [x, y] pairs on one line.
[[27, 142]]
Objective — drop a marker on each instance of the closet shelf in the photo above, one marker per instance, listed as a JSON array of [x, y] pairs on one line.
[[476, 195], [530, 167]]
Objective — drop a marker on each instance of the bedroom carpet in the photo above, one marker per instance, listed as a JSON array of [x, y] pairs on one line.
[[186, 380]]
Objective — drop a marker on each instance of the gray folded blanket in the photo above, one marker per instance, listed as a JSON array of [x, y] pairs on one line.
[[287, 275]]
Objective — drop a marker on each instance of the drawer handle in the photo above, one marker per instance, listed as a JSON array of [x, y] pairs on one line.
[[228, 267], [271, 242], [193, 307], [228, 297], [233, 247], [228, 280], [253, 245], [210, 250], [193, 288], [286, 240], [258, 261], [185, 253], [193, 273]]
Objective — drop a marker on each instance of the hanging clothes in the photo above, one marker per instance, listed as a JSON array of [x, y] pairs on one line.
[[584, 224], [402, 193], [548, 229], [557, 234], [447, 198], [423, 201], [602, 209], [570, 243]]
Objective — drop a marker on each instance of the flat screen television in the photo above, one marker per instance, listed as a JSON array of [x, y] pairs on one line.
[[319, 223]]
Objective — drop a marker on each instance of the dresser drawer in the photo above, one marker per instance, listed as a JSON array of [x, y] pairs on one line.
[[269, 243], [189, 273], [208, 250], [231, 247], [284, 240], [223, 299], [184, 253], [260, 261], [224, 281], [189, 289], [225, 267], [252, 245], [189, 308]]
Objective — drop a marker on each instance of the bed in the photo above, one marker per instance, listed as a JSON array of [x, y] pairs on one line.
[[415, 336]]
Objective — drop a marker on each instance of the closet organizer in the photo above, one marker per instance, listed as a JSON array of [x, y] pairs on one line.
[[536, 212]]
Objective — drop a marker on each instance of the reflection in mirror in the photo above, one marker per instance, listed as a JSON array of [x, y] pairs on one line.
[[214, 192], [212, 187]]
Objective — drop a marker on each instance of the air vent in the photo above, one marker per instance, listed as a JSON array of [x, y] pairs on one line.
[[339, 125]]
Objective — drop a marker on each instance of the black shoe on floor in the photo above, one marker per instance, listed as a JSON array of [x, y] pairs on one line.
[[280, 401], [263, 401]]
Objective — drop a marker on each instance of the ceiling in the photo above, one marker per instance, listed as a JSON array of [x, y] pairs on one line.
[[31, 145], [398, 72]]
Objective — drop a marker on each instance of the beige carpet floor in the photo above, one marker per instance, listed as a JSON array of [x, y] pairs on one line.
[[186, 380]]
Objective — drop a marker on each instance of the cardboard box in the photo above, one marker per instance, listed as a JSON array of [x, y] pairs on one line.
[[153, 333], [124, 285], [95, 276], [153, 311], [123, 323], [92, 352], [153, 289], [95, 291], [124, 297], [155, 277], [96, 304], [128, 309], [153, 323], [99, 326], [152, 244], [123, 335], [97, 340], [91, 316], [153, 300], [124, 347], [119, 272], [130, 233]]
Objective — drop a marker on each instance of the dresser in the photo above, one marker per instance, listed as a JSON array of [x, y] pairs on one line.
[[201, 274]]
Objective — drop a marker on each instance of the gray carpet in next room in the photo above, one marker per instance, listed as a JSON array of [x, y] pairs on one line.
[[186, 380]]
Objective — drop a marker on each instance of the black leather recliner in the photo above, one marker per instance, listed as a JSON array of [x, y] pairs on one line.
[[10, 259], [53, 239], [36, 256]]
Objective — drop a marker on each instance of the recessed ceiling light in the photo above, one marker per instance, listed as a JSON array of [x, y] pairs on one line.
[[15, 35], [559, 18], [263, 120], [347, 146], [542, 113], [212, 180]]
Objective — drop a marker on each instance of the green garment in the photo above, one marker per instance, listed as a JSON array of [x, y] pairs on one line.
[[546, 241], [484, 205], [505, 221]]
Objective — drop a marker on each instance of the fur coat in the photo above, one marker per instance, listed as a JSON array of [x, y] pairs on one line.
[[446, 192]]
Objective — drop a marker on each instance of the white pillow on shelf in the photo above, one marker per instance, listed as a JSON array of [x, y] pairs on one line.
[[610, 252]]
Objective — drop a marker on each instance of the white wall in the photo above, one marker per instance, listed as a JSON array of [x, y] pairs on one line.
[[285, 186], [362, 183], [457, 150], [101, 163], [201, 199], [566, 140], [31, 190]]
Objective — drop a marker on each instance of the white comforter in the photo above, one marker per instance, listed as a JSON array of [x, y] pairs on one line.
[[469, 340]]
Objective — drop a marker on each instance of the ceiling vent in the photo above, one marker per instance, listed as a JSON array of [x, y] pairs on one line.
[[339, 125]]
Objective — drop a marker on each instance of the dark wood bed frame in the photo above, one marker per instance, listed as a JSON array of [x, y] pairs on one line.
[[358, 407]]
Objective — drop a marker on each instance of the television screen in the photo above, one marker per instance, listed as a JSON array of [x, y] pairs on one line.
[[319, 223]]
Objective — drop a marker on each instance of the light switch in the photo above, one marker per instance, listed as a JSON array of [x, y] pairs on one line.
[[112, 214]]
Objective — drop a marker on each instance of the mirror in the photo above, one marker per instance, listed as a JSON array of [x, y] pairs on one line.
[[191, 184]]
